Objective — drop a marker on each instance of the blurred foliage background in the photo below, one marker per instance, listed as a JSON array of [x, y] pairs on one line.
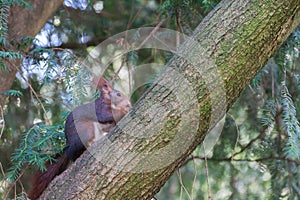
[[257, 155]]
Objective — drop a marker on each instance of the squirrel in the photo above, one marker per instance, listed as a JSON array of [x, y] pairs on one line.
[[84, 125]]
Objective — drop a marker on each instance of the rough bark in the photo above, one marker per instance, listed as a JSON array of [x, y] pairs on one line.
[[24, 22], [237, 37]]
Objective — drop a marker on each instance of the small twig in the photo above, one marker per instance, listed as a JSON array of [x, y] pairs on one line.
[[273, 79], [15, 190], [284, 76], [116, 75], [244, 160], [129, 77], [165, 44], [152, 32], [182, 185], [233, 155], [179, 27], [13, 185], [237, 132], [58, 49], [1, 168], [55, 99], [207, 174], [251, 89], [34, 92], [279, 129], [261, 134], [131, 19], [181, 188], [195, 177], [22, 186], [3, 125]]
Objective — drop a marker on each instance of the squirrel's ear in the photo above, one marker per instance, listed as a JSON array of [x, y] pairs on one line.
[[104, 86]]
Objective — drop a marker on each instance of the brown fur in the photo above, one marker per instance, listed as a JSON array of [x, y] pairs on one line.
[[84, 125]]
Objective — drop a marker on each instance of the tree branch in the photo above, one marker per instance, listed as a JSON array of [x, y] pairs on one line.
[[175, 114], [25, 22], [241, 160]]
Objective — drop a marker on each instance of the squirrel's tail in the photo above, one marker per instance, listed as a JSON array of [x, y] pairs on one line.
[[42, 179]]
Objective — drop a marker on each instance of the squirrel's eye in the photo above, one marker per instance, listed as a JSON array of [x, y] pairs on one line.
[[118, 94]]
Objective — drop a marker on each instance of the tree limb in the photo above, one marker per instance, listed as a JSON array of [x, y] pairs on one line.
[[170, 121], [24, 22]]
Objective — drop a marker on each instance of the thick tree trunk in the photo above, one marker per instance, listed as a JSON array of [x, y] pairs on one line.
[[24, 22], [235, 41]]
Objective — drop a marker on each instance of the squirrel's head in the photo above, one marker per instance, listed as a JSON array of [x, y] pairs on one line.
[[119, 103]]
